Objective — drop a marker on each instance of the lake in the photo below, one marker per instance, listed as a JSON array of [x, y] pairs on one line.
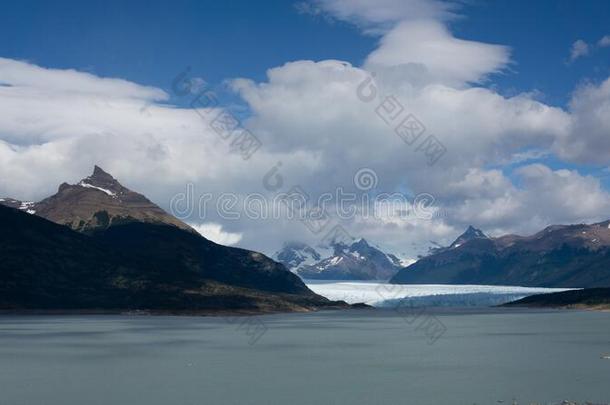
[[470, 356]]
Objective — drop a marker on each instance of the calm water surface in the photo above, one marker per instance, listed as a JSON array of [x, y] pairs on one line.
[[348, 357]]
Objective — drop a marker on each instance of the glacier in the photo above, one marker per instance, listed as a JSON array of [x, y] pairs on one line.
[[385, 295]]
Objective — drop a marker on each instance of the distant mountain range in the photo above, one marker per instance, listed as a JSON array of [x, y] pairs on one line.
[[356, 260], [98, 245], [558, 256]]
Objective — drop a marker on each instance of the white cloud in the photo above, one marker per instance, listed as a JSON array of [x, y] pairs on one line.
[[543, 197], [41, 81], [57, 123], [414, 37], [441, 57], [604, 41], [215, 233], [314, 107], [479, 183], [588, 137], [381, 15], [311, 106], [579, 49], [564, 194]]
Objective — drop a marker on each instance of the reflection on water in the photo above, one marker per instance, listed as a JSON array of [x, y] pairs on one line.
[[349, 357]]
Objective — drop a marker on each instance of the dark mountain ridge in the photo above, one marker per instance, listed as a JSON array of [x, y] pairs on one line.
[[588, 298], [49, 266], [137, 257], [558, 256]]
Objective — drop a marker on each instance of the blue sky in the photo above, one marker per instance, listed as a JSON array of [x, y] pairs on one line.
[[540, 34], [149, 42], [517, 91]]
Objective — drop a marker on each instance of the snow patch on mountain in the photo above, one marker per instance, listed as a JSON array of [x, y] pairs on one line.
[[470, 234], [294, 255], [27, 206], [87, 185], [353, 259]]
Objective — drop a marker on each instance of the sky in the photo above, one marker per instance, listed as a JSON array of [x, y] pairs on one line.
[[515, 95]]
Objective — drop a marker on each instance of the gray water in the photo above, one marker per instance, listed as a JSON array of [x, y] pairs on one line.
[[346, 357]]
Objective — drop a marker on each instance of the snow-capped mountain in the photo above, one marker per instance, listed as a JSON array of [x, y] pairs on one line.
[[357, 260], [26, 206], [97, 201], [296, 254]]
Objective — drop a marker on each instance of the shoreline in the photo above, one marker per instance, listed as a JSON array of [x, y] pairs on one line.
[[155, 312], [590, 299], [381, 311], [575, 307]]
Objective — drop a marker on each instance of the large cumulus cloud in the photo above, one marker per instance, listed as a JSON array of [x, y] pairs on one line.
[[317, 131]]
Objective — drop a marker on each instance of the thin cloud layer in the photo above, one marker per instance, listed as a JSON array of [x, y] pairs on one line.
[[442, 58], [377, 17], [215, 233], [581, 48]]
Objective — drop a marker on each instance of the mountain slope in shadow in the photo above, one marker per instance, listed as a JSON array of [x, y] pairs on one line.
[[138, 266], [588, 298], [558, 256]]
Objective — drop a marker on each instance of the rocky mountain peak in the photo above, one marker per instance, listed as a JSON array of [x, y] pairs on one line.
[[103, 181], [97, 202], [100, 174], [360, 244], [474, 232], [63, 186], [470, 234], [295, 254]]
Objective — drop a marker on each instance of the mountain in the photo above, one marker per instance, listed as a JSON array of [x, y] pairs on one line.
[[296, 254], [138, 266], [588, 298], [356, 261], [150, 264], [558, 256], [97, 201], [26, 206], [470, 234]]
